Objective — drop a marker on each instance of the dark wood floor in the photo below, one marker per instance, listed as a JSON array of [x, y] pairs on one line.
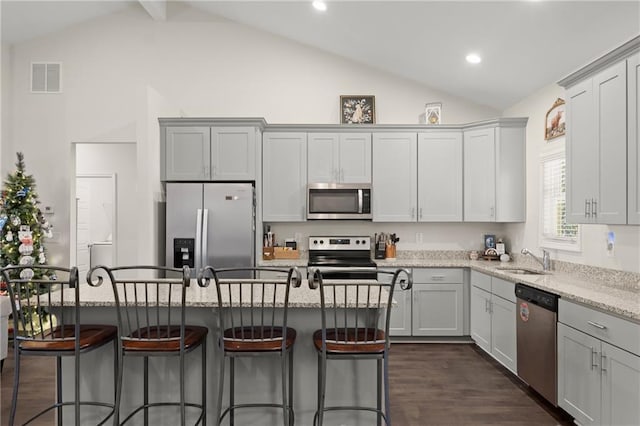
[[431, 384]]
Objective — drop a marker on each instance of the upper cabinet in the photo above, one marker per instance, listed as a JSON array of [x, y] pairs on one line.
[[602, 139], [633, 124], [339, 157], [395, 177], [284, 177], [208, 151], [494, 172], [188, 150], [440, 176]]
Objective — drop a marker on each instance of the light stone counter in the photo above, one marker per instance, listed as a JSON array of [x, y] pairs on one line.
[[612, 291]]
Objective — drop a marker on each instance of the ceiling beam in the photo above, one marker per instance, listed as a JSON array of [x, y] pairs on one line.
[[157, 9]]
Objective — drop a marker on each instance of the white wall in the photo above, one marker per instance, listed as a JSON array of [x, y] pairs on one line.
[[594, 237], [205, 65]]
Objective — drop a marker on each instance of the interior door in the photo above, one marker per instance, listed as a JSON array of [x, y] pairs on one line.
[[83, 223]]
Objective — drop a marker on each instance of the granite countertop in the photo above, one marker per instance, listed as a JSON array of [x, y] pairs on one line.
[[206, 297], [615, 292]]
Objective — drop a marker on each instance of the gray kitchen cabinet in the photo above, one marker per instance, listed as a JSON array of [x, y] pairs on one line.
[[438, 302], [284, 177], [633, 125], [187, 153], [494, 172], [339, 158], [598, 366], [395, 177], [400, 321], [233, 153], [433, 307], [597, 147], [493, 317], [208, 153], [440, 176]]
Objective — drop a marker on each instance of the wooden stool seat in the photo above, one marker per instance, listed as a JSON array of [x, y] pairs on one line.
[[257, 339], [351, 340], [61, 339], [165, 339]]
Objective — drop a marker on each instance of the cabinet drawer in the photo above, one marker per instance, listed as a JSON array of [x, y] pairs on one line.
[[481, 280], [504, 289], [438, 275], [386, 278], [617, 331]]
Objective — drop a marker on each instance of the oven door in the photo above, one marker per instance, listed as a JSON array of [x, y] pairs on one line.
[[339, 201]]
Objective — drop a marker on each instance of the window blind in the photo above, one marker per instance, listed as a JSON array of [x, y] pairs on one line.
[[554, 206]]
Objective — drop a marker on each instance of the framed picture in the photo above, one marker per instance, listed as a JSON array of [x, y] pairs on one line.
[[433, 113], [555, 120], [357, 109], [489, 241]]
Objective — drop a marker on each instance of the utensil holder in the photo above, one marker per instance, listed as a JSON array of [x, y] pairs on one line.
[[390, 251]]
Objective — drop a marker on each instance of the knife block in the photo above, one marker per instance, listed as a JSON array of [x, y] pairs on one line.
[[379, 252]]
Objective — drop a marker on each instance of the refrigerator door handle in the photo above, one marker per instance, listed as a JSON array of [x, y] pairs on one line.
[[205, 233], [198, 248]]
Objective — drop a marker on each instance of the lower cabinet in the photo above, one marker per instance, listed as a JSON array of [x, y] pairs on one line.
[[493, 317], [433, 307], [598, 383]]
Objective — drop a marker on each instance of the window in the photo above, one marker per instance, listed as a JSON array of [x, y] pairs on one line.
[[555, 232]]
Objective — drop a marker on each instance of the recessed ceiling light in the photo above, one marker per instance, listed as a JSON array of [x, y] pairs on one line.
[[319, 5], [473, 58]]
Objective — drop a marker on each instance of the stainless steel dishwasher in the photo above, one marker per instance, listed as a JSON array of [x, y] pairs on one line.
[[536, 317]]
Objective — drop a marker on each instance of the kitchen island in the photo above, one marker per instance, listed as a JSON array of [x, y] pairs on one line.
[[257, 379]]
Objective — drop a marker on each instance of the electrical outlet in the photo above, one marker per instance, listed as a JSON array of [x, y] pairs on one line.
[[611, 243], [418, 237]]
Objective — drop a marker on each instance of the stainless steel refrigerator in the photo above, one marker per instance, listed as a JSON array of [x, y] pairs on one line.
[[210, 224]]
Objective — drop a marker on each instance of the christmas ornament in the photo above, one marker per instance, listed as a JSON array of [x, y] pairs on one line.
[[41, 258], [15, 220], [9, 236], [27, 260], [25, 249], [3, 220], [26, 274]]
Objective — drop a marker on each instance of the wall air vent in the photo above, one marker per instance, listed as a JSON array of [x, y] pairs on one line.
[[46, 77]]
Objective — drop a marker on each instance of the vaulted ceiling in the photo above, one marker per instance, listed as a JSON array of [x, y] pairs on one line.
[[524, 45]]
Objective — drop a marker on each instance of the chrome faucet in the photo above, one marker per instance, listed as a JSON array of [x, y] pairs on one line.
[[545, 261]]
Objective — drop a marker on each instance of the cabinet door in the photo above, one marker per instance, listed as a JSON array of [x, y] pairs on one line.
[[503, 332], [437, 309], [284, 180], [479, 176], [354, 153], [511, 185], [481, 318], [582, 152], [187, 153], [610, 98], [400, 322], [633, 124], [322, 158], [620, 386], [395, 177], [440, 177], [233, 153], [579, 375]]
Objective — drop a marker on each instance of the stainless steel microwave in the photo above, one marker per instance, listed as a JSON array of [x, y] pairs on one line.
[[339, 201]]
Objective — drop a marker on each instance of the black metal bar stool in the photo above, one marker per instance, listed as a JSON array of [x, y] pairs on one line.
[[252, 320], [351, 329], [146, 327], [35, 294]]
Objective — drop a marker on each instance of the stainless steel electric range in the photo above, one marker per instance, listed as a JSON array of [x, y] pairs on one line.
[[342, 257]]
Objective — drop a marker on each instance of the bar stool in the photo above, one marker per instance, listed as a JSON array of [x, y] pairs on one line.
[[252, 321], [351, 330], [35, 293], [146, 327]]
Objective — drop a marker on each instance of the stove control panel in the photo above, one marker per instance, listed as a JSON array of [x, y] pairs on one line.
[[339, 243]]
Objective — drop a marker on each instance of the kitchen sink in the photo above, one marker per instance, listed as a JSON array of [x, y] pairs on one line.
[[523, 271]]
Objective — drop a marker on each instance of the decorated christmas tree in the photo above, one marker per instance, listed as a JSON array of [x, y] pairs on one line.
[[22, 226]]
